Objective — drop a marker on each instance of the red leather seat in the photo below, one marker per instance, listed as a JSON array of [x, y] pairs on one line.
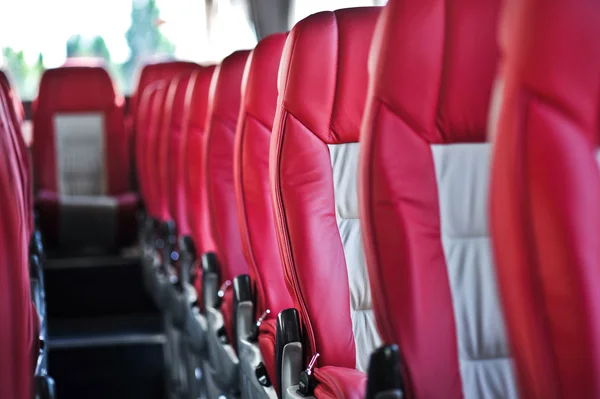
[[149, 74], [314, 155], [224, 107], [253, 193], [545, 191], [424, 181], [16, 114], [193, 206], [170, 157], [154, 204], [14, 97], [186, 111], [227, 261], [145, 123], [14, 110], [82, 179], [18, 320]]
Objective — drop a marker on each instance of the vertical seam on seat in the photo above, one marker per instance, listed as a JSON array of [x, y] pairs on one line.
[[286, 251], [381, 321], [332, 135]]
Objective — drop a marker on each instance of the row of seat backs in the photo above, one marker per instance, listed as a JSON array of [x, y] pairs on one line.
[[424, 182], [185, 157], [423, 155], [80, 100], [81, 159], [17, 116], [171, 126], [545, 192], [313, 171], [438, 101], [19, 325]]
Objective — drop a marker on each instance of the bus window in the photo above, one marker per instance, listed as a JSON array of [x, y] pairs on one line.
[[124, 34]]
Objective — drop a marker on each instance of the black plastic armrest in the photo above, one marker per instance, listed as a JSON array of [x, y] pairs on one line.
[[45, 387], [36, 243], [288, 331], [169, 232], [242, 292], [154, 223], [211, 276], [384, 374], [35, 267], [242, 288], [189, 256]]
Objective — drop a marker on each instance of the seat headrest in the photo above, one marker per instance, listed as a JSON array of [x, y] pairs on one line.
[[175, 100], [158, 71], [259, 91], [144, 117], [441, 93], [323, 76], [225, 94], [16, 109], [548, 63], [196, 107], [75, 88], [4, 79]]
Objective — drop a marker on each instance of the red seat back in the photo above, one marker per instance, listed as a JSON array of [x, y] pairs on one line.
[[147, 141], [170, 174], [15, 99], [223, 112], [424, 178], [251, 175], [193, 207], [149, 74], [74, 99], [144, 124], [193, 196], [545, 194], [151, 152], [15, 112], [314, 152], [17, 329]]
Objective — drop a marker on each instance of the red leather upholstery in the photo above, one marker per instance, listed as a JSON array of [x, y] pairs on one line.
[[432, 69], [223, 111], [545, 192], [154, 204], [322, 88], [80, 89], [251, 178], [16, 114], [193, 194], [18, 324], [156, 137], [149, 74], [14, 97], [144, 124], [267, 339], [171, 154], [339, 382]]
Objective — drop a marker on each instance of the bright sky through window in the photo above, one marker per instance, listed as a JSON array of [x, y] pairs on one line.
[[44, 26]]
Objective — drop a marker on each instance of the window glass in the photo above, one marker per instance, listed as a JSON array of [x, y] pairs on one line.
[[39, 34]]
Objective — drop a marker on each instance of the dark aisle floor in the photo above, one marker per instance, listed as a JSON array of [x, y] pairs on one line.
[[105, 335]]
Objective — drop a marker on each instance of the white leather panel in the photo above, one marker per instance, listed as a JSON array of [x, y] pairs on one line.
[[462, 173], [79, 140], [344, 161]]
